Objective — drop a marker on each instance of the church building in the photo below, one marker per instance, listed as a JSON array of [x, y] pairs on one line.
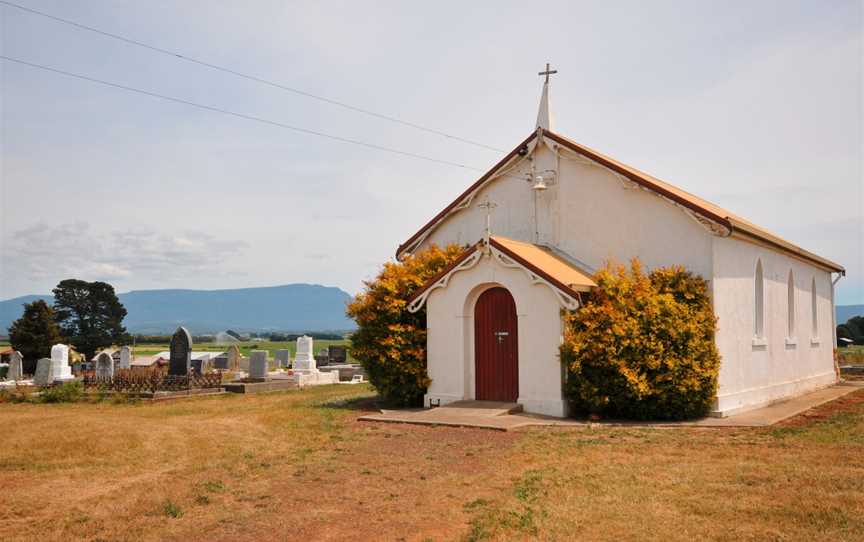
[[550, 213]]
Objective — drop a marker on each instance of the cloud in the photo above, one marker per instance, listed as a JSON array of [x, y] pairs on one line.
[[44, 251]]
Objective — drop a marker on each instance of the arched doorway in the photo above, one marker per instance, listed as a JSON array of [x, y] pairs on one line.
[[496, 347]]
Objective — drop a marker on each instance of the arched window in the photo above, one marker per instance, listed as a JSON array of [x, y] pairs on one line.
[[814, 333], [759, 319], [790, 305]]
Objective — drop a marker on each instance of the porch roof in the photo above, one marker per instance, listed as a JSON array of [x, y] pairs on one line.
[[538, 260]]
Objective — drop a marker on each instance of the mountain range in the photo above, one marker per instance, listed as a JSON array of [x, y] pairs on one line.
[[291, 307]]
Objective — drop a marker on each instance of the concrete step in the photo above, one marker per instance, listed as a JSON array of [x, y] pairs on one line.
[[482, 408]]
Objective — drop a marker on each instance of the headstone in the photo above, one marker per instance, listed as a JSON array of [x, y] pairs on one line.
[[221, 362], [338, 354], [197, 366], [322, 358], [16, 366], [283, 357], [60, 369], [258, 364], [43, 376], [125, 358], [234, 357], [243, 364], [304, 360], [104, 365], [180, 360]]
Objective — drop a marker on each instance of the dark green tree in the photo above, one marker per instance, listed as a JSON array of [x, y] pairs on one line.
[[34, 334], [853, 329], [89, 315]]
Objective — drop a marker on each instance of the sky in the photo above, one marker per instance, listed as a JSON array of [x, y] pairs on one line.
[[755, 106]]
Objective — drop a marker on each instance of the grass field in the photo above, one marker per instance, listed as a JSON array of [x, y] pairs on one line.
[[245, 347], [298, 466]]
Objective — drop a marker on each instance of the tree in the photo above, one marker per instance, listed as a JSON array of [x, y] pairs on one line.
[[390, 342], [34, 334], [642, 346], [89, 315], [853, 329]]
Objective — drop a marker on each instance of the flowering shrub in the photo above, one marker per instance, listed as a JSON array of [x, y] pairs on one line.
[[642, 346], [390, 342]]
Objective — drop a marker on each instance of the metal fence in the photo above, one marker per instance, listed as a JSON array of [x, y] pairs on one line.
[[150, 381]]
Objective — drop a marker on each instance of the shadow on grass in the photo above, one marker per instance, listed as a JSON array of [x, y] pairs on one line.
[[364, 403]]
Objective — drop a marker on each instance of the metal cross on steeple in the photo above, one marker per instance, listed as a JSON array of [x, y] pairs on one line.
[[488, 205], [544, 115], [547, 73]]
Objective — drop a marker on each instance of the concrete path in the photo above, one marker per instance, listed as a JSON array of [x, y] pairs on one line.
[[508, 416]]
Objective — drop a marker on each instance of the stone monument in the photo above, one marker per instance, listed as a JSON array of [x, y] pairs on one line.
[[283, 357], [180, 359], [43, 376], [338, 354], [104, 365], [16, 366], [125, 358], [60, 369], [304, 360], [221, 362], [306, 372], [258, 364], [233, 357]]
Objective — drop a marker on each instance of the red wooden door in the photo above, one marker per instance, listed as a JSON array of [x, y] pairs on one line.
[[496, 347]]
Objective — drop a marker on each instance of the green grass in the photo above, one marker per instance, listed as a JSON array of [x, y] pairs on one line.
[[245, 347]]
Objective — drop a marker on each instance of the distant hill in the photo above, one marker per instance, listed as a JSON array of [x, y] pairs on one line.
[[845, 312], [292, 307]]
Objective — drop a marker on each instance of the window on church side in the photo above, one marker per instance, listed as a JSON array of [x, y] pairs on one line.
[[790, 305], [759, 319], [814, 333]]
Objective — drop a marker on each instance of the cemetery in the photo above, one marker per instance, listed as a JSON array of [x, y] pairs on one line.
[[182, 372]]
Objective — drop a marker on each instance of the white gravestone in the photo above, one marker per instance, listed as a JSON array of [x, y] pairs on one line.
[[304, 360], [104, 365], [43, 376], [16, 366], [125, 358], [258, 364], [60, 369]]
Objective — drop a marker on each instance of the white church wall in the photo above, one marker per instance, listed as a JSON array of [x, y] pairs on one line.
[[605, 218], [776, 365], [450, 340], [589, 214]]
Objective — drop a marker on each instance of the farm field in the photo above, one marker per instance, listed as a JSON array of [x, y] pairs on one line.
[[146, 349], [299, 466]]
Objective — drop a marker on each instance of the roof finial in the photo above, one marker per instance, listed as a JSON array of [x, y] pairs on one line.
[[544, 116]]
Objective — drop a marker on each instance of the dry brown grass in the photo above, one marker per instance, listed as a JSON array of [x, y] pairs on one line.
[[295, 466]]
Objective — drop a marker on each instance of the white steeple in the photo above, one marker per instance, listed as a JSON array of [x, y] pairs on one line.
[[544, 115]]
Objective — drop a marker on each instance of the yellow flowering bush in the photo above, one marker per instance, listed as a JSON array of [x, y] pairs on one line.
[[390, 342], [642, 346]]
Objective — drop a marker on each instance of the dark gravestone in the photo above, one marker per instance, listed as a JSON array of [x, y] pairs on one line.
[[338, 355], [181, 353], [322, 357], [198, 366], [221, 362], [43, 376]]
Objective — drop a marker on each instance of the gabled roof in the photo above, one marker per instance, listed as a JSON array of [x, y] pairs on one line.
[[543, 261], [557, 272], [734, 224]]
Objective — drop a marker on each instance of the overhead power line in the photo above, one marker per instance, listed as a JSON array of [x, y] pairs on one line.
[[252, 77], [242, 115]]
